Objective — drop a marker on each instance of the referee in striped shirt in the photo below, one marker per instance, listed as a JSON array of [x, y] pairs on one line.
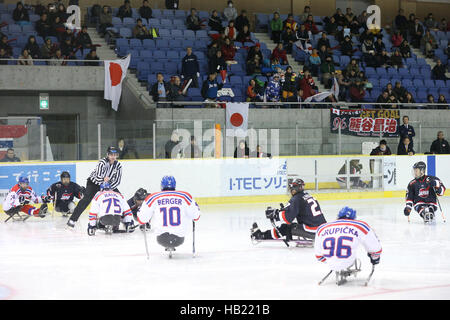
[[108, 170]]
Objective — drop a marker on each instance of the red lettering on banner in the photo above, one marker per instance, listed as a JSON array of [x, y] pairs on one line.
[[367, 125], [379, 125], [355, 124]]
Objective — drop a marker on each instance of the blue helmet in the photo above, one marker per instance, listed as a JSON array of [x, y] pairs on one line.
[[168, 183], [24, 180], [105, 186], [347, 213]]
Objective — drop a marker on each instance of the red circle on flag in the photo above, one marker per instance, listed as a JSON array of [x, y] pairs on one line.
[[115, 73], [236, 119]]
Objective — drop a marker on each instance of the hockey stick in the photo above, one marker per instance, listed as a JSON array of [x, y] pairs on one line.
[[439, 203], [278, 231], [193, 239], [324, 278], [145, 240], [370, 275]]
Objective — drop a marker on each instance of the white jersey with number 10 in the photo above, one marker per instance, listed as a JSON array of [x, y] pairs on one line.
[[169, 211]]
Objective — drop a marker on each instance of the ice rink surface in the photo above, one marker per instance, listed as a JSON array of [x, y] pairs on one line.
[[40, 259]]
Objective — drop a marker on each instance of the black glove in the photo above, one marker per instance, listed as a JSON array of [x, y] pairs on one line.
[[374, 260], [47, 199], [129, 226], [407, 211], [82, 190], [273, 214], [91, 230]]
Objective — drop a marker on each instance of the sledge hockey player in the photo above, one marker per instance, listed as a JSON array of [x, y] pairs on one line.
[[18, 201], [63, 192], [337, 242], [135, 203], [422, 193], [171, 212], [303, 207], [108, 209]]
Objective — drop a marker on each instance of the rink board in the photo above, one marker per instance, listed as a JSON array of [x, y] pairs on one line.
[[237, 180]]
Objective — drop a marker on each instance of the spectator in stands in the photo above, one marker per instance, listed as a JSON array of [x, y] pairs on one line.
[[4, 55], [67, 49], [280, 54], [33, 48], [429, 43], [314, 62], [347, 47], [210, 88], [381, 150], [310, 25], [331, 27], [241, 21], [20, 15], [383, 98], [290, 23], [92, 55], [255, 50], [288, 38], [400, 91], [362, 19], [145, 11], [406, 130], [397, 39], [273, 89], [430, 23], [327, 70], [438, 71], [39, 8], [244, 35], [175, 89], [323, 53], [409, 98], [307, 85], [106, 19], [125, 10], [160, 90], [140, 31], [57, 59], [383, 60], [69, 34], [217, 63], [58, 28], [62, 13], [393, 101], [25, 58], [47, 49], [323, 41], [52, 12], [228, 51], [276, 25], [252, 92], [213, 47], [231, 31], [306, 12], [190, 68], [357, 91], [258, 153], [254, 65], [416, 33], [390, 89], [353, 65], [242, 151], [10, 156], [344, 85], [193, 21], [172, 4], [443, 25], [405, 49], [379, 46], [230, 12], [124, 150], [215, 22], [401, 23], [192, 150], [289, 86], [339, 17], [405, 147], [368, 50], [440, 145], [354, 26], [4, 44], [442, 100], [170, 145], [83, 39], [303, 37], [397, 59], [349, 15], [430, 100]]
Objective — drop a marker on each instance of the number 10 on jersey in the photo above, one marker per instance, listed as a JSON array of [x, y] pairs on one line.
[[171, 216]]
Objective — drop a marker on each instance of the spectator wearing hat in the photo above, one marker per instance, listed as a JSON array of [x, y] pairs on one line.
[[381, 150]]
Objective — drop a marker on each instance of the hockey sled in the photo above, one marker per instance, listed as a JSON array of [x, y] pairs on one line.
[[298, 242], [110, 222]]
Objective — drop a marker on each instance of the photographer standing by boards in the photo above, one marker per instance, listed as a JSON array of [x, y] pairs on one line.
[[108, 170]]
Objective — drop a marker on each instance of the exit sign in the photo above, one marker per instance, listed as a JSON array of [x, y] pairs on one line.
[[43, 101]]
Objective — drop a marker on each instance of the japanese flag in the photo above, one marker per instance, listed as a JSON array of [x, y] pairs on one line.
[[237, 119], [115, 72]]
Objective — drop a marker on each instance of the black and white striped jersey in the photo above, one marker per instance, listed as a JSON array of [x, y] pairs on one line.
[[105, 169]]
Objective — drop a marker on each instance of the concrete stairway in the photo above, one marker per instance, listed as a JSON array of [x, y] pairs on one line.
[[265, 38], [105, 52], [429, 61]]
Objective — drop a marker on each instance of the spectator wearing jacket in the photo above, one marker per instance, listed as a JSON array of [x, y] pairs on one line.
[[273, 89], [405, 148], [215, 22], [190, 68], [217, 63], [230, 12], [145, 11], [160, 91], [210, 87], [440, 145], [193, 21], [280, 54], [276, 25], [20, 15], [241, 21], [228, 51], [381, 150], [33, 48], [230, 31], [105, 19], [125, 10], [438, 71]]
